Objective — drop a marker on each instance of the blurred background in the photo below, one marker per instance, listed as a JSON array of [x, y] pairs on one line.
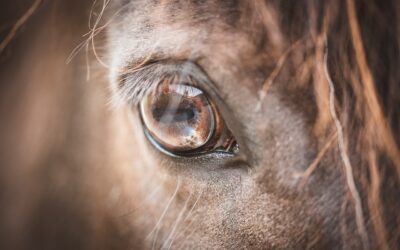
[[49, 148]]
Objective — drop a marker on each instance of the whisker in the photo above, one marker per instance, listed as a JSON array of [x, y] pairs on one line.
[[178, 220], [187, 217], [182, 243], [157, 226], [147, 197], [94, 30]]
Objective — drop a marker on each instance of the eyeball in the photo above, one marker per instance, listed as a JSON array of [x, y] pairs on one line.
[[178, 117], [181, 119]]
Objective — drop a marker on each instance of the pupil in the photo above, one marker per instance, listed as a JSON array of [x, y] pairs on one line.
[[185, 114], [179, 114]]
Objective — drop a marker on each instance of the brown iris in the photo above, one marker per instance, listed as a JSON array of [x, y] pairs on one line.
[[179, 117]]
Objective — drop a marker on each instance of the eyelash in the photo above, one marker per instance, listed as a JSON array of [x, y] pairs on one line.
[[133, 85]]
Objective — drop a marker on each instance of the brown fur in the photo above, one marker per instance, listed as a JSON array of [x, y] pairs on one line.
[[309, 88]]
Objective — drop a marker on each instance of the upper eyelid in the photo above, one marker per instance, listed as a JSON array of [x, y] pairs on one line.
[[134, 84]]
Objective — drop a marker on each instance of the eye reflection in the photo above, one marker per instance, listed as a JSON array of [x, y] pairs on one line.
[[178, 116], [181, 120]]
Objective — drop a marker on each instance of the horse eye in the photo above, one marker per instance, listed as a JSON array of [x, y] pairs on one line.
[[182, 120]]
